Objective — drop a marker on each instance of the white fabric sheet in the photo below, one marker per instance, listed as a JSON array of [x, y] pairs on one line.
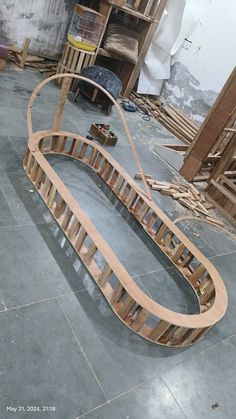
[[176, 23]]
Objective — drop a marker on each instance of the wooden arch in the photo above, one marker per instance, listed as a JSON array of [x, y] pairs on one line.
[[136, 310]]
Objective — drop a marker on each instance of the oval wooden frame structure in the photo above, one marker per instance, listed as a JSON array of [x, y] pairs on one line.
[[134, 308]]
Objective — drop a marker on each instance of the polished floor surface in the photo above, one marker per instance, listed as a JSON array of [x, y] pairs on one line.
[[63, 352]]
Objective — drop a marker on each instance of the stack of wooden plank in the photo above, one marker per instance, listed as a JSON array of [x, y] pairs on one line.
[[22, 58], [187, 195], [181, 126]]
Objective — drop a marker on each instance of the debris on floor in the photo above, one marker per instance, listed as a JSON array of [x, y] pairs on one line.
[[187, 195], [171, 118], [22, 58]]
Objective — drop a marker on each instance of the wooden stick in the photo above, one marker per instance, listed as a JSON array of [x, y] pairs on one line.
[[24, 52]]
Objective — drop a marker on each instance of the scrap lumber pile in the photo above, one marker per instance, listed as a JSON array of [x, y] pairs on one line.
[[181, 126], [187, 195], [22, 58]]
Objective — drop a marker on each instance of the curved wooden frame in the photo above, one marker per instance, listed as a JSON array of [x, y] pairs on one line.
[[138, 311]]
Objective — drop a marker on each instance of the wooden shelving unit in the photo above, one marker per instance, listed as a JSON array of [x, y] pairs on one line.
[[212, 155], [73, 60], [126, 71]]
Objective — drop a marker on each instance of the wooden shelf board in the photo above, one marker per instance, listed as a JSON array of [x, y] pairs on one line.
[[104, 53], [133, 12]]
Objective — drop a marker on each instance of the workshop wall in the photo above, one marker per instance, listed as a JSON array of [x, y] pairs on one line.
[[44, 21], [204, 62]]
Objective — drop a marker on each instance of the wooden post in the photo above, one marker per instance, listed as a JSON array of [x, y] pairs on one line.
[[211, 129], [24, 52], [144, 48], [61, 103], [225, 160]]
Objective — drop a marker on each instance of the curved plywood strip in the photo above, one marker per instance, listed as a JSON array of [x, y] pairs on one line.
[[138, 311]]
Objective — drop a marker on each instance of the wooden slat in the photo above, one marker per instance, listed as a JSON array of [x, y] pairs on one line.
[[159, 330]]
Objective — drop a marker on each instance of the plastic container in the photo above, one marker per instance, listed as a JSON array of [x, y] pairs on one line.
[[86, 28]]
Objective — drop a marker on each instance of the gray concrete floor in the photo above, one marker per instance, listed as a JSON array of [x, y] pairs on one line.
[[62, 348]]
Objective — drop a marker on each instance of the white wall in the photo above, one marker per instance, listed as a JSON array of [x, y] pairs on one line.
[[212, 55], [199, 73], [44, 21]]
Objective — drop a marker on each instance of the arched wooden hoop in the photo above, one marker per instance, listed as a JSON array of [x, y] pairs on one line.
[[139, 312], [65, 88]]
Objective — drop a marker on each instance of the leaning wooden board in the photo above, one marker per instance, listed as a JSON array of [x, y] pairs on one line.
[[136, 309]]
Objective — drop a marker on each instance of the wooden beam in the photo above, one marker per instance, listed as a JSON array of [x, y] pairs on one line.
[[211, 128], [24, 52]]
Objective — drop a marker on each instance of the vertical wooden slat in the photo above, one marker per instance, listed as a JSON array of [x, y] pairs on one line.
[[196, 274], [83, 151], [105, 274], [160, 233], [45, 187], [126, 307], [80, 63], [191, 336], [80, 239], [51, 197], [117, 293], [159, 330], [140, 319], [38, 179], [66, 219], [29, 163], [24, 52], [60, 207], [178, 251], [90, 253], [61, 103], [73, 228], [34, 170], [118, 185], [74, 61]]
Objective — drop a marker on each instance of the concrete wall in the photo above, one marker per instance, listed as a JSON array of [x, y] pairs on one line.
[[199, 73], [44, 21]]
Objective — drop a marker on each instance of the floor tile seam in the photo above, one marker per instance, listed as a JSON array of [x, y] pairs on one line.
[[14, 109], [231, 344], [112, 399], [152, 272], [3, 303], [9, 208], [92, 410], [130, 390], [147, 381], [23, 114], [27, 225], [70, 119], [17, 151], [215, 253], [222, 254], [203, 240], [176, 401], [232, 236], [105, 216], [166, 164], [82, 349], [147, 292], [11, 172], [42, 301], [207, 244], [192, 356]]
